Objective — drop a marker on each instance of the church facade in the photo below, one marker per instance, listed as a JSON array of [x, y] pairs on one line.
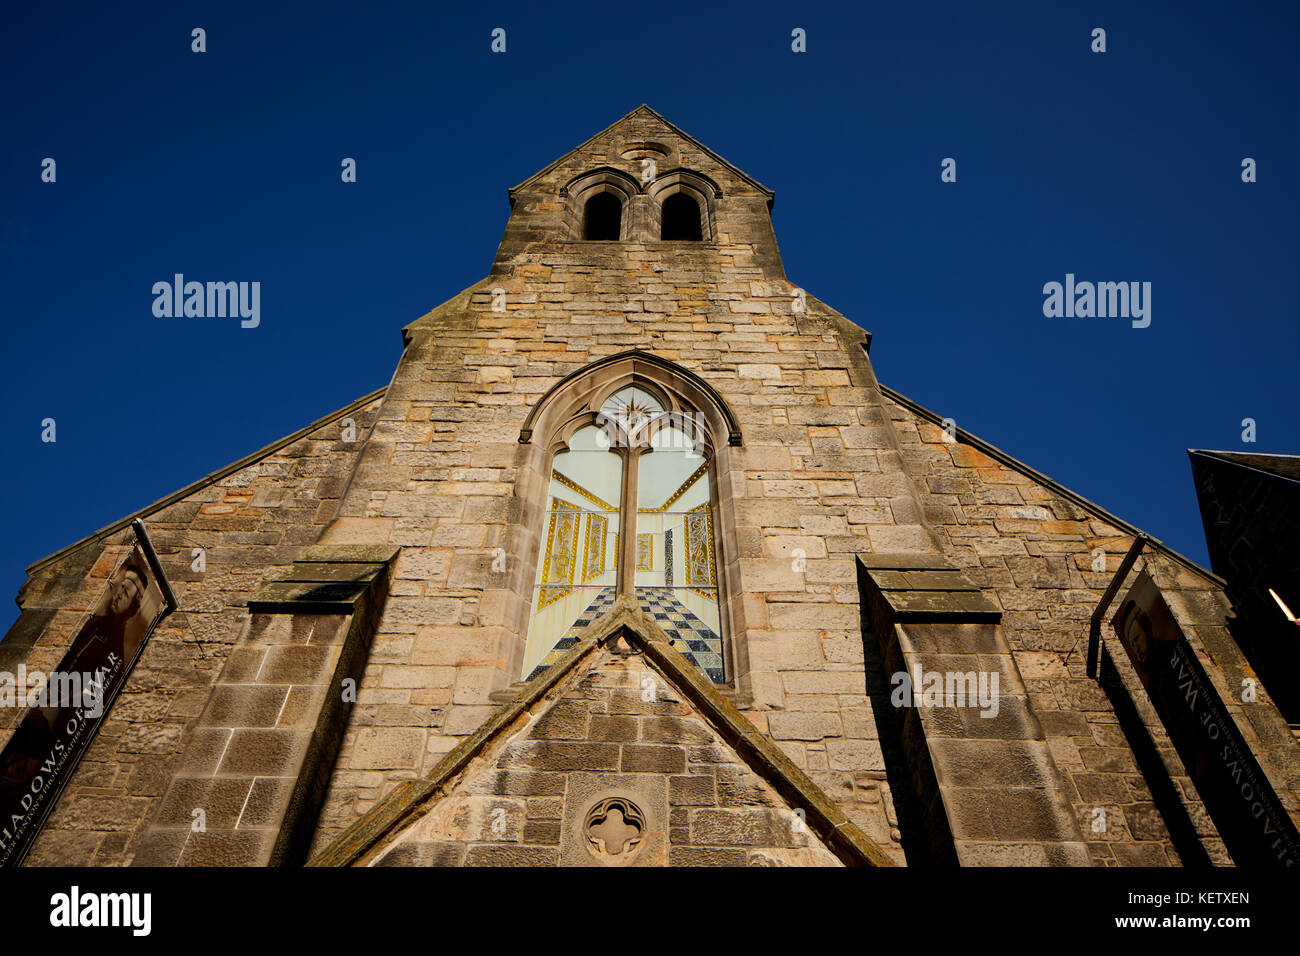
[[635, 562]]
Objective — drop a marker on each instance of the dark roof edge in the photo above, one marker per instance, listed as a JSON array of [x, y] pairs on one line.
[[209, 479], [1230, 458], [1092, 507], [1225, 453]]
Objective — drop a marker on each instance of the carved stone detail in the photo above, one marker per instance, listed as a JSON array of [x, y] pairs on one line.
[[614, 830]]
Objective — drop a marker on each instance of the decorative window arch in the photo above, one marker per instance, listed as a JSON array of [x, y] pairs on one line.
[[583, 188], [602, 216], [628, 494], [680, 218], [695, 186]]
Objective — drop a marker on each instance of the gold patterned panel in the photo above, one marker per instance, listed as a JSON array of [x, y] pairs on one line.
[[572, 485], [645, 552], [593, 559], [701, 570], [561, 558]]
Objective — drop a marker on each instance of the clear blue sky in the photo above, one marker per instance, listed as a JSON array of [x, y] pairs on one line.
[[225, 166]]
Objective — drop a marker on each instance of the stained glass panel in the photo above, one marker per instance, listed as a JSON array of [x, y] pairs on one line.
[[680, 587], [578, 551]]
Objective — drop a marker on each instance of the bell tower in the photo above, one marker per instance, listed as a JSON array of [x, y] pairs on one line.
[[647, 189]]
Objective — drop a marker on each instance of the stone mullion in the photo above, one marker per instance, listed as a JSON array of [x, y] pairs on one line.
[[627, 524]]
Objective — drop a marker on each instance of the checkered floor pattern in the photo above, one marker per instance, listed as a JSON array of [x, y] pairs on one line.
[[696, 641]]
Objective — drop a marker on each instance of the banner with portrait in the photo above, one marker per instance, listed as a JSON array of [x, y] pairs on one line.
[[65, 708]]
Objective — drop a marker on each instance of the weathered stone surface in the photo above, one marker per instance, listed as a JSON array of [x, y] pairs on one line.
[[697, 804], [804, 726], [653, 758], [266, 509], [384, 749]]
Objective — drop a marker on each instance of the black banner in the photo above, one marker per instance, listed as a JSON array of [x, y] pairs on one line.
[[1241, 801], [123, 907]]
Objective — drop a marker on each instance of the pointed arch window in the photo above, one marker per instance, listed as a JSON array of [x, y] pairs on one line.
[[683, 205], [602, 216], [681, 218], [597, 204], [630, 510]]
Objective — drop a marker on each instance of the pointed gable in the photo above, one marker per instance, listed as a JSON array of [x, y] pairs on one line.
[[620, 754], [643, 172], [622, 144]]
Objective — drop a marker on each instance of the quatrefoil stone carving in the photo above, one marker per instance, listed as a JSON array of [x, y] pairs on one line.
[[614, 830]]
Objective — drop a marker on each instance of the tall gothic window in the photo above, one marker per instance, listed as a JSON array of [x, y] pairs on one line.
[[629, 511]]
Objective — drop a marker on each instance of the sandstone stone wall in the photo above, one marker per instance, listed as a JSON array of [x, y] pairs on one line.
[[526, 804], [816, 480], [252, 522], [829, 466], [1031, 550]]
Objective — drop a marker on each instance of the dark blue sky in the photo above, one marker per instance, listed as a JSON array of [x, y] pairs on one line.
[[1123, 166]]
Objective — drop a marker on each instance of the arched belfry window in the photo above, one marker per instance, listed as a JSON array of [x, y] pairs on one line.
[[684, 203], [631, 509], [602, 216], [681, 218], [597, 204]]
